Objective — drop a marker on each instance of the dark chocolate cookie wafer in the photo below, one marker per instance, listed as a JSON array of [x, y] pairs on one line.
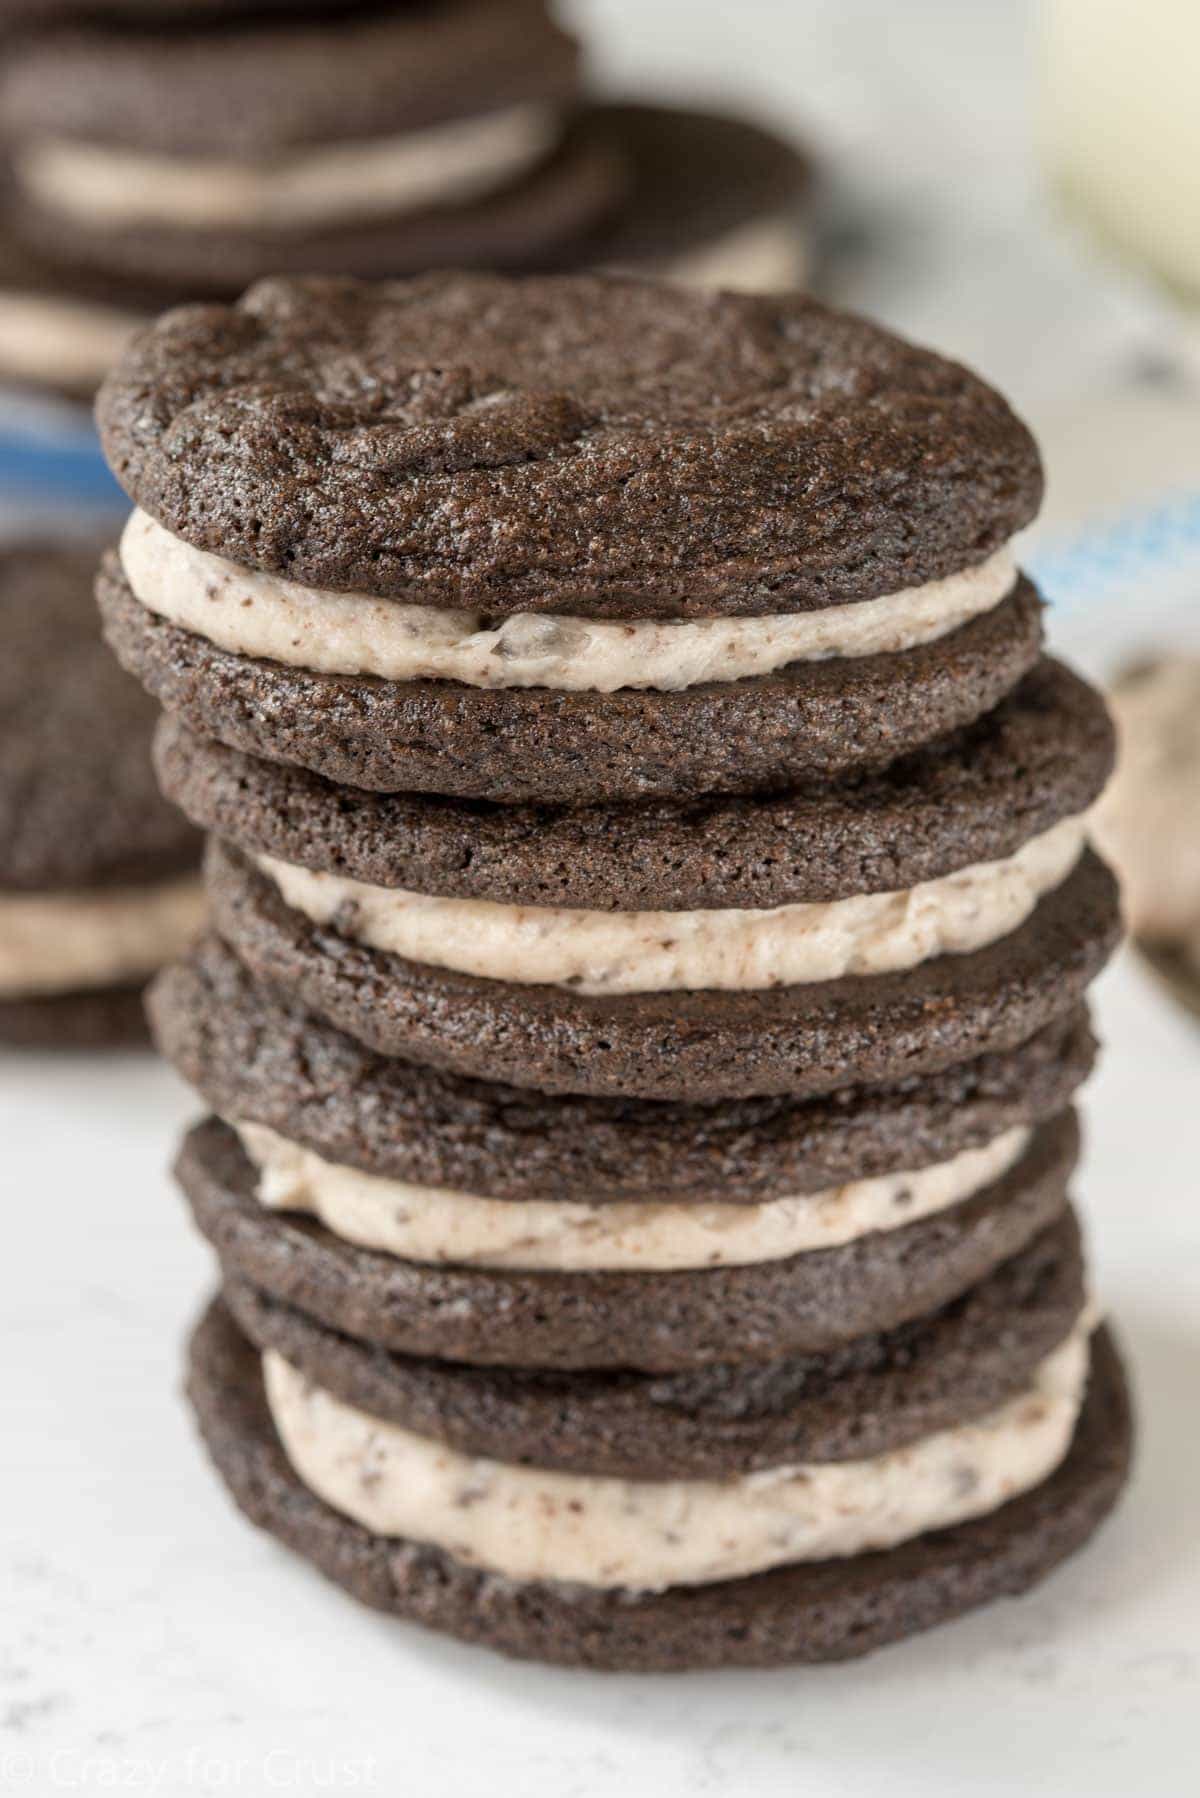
[[804, 1304], [696, 1046], [110, 1018], [820, 1611], [573, 445], [1043, 755], [808, 721], [711, 199], [877, 1393], [256, 1057]]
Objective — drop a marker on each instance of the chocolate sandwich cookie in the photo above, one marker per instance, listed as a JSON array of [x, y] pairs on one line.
[[692, 1044], [257, 1058], [372, 138], [97, 872], [874, 1394], [758, 1311], [546, 208], [807, 1610], [701, 952], [562, 571], [516, 745], [1043, 755], [712, 201]]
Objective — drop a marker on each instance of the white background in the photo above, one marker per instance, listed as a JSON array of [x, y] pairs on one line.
[[150, 1640]]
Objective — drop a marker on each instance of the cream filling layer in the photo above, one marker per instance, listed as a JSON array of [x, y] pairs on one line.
[[446, 164], [645, 1535], [63, 941], [254, 614], [766, 255], [64, 342], [437, 1224], [641, 952]]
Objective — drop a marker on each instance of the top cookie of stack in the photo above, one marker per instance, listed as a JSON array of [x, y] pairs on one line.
[[572, 543], [193, 147], [566, 540]]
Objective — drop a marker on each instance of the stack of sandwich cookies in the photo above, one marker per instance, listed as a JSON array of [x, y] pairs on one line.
[[653, 918], [386, 137], [420, 1440], [369, 138], [160, 152], [98, 874], [750, 1229]]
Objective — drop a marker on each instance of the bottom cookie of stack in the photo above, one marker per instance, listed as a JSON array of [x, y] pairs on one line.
[[810, 1560]]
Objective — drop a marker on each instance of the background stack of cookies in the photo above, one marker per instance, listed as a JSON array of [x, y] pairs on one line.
[[653, 917], [169, 150], [99, 876]]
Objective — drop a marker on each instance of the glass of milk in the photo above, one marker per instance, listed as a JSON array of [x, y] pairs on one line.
[[1121, 127]]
